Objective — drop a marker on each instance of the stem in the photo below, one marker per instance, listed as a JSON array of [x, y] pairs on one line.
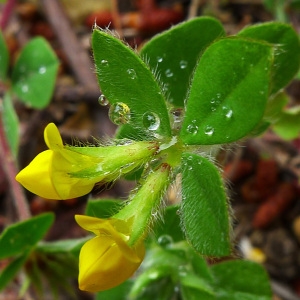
[[145, 203], [6, 13], [10, 169]]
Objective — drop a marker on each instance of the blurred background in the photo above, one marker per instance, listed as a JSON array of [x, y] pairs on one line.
[[262, 173]]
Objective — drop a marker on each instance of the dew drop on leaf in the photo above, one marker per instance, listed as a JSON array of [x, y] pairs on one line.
[[102, 100], [42, 70], [25, 88], [183, 64], [209, 130], [168, 73], [159, 59], [131, 73], [228, 112], [192, 128], [119, 113], [151, 120], [104, 62], [165, 240]]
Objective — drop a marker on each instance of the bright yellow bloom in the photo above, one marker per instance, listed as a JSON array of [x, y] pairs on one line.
[[106, 260], [65, 172]]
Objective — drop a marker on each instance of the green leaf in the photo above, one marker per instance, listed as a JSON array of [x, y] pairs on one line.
[[23, 236], [229, 92], [173, 54], [11, 124], [34, 74], [71, 246], [171, 225], [149, 282], [120, 292], [275, 106], [161, 289], [4, 58], [194, 287], [199, 264], [288, 124], [204, 206], [240, 279], [11, 270], [103, 208], [125, 79], [287, 50]]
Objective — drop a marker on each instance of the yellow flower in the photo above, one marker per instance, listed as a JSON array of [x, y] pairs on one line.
[[47, 174], [106, 260], [65, 172]]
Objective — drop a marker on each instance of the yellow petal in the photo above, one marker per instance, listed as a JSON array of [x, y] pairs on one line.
[[96, 225], [66, 162], [103, 266], [36, 176], [52, 137], [106, 227]]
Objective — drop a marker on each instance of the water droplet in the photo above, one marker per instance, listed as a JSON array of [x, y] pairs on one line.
[[183, 64], [168, 73], [25, 88], [102, 100], [213, 108], [218, 95], [119, 113], [104, 62], [213, 100], [192, 128], [190, 157], [159, 59], [209, 130], [229, 114], [151, 120], [131, 73], [42, 70], [165, 240]]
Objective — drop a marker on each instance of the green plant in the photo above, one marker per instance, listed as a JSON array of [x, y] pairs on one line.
[[189, 92], [32, 80]]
